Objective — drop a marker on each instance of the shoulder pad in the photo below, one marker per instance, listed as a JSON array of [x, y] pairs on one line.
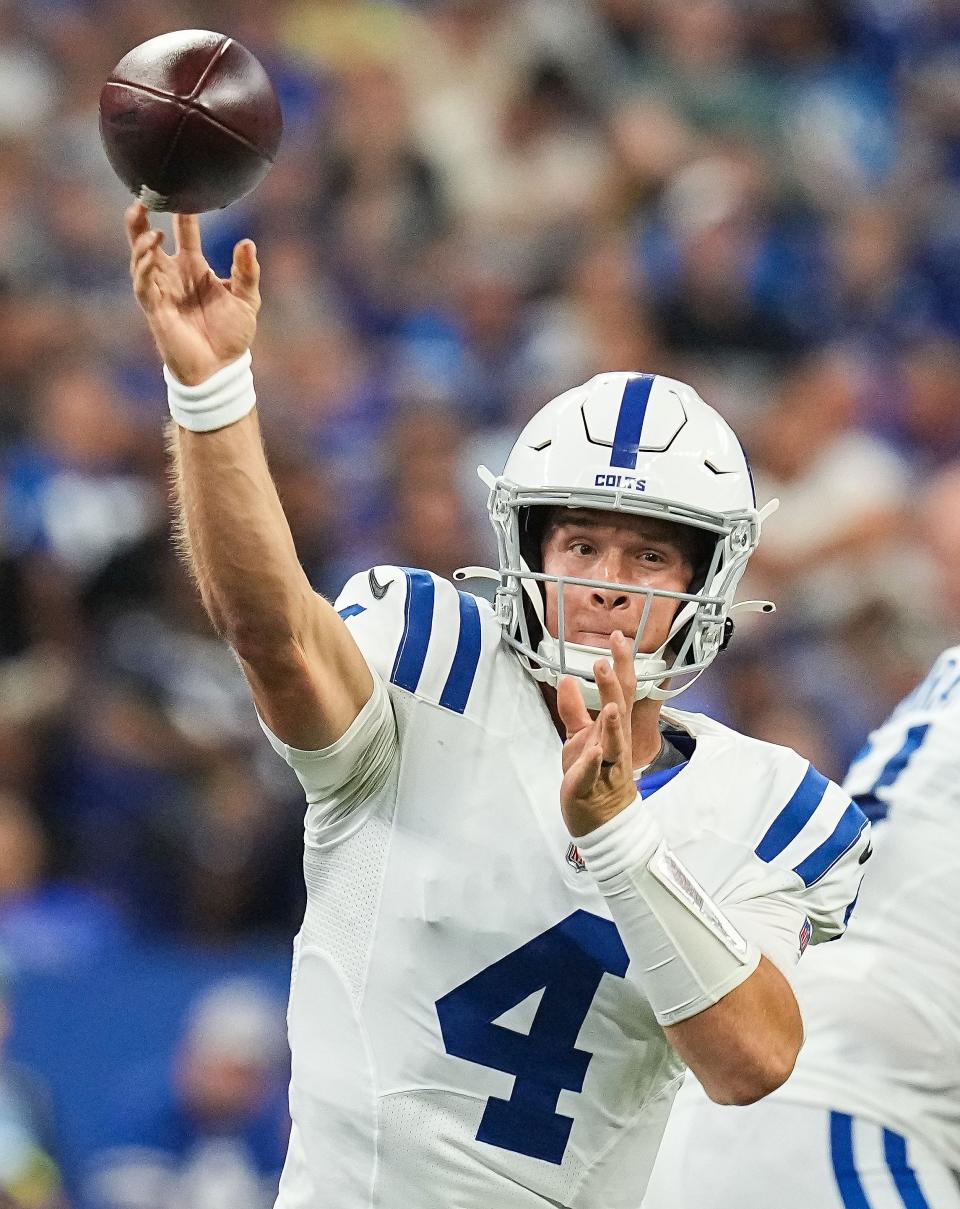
[[824, 839], [417, 631]]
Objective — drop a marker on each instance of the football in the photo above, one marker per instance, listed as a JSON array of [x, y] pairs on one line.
[[190, 121]]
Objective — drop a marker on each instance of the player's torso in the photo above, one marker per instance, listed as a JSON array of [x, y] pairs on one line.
[[464, 1028], [502, 1027], [887, 1001]]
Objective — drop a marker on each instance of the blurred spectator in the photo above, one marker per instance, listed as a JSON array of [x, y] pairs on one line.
[[842, 497], [218, 1139], [29, 1178], [917, 406], [940, 529], [724, 269], [46, 923]]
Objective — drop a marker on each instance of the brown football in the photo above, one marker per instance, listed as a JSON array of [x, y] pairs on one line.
[[190, 121]]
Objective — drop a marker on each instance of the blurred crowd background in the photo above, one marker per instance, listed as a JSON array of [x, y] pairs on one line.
[[477, 204]]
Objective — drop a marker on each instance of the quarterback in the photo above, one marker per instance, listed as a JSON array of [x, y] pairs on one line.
[[870, 1118], [535, 892]]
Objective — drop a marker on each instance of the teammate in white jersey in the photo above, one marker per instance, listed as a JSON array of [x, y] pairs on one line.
[[513, 940], [870, 1118]]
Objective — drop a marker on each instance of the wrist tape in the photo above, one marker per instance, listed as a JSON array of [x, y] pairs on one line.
[[685, 954], [224, 398]]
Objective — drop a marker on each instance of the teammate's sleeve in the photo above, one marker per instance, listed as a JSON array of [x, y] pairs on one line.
[[807, 865]]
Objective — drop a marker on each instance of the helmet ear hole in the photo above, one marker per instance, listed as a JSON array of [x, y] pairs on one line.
[[699, 548], [532, 525]]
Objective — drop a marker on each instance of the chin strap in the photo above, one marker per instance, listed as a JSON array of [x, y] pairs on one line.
[[579, 661]]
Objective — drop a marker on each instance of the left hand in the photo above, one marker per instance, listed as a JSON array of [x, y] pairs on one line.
[[598, 753]]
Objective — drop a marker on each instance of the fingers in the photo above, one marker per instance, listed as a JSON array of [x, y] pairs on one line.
[[581, 777], [186, 233], [570, 705], [608, 684], [245, 273], [146, 263], [612, 739], [608, 747], [624, 667], [136, 222]]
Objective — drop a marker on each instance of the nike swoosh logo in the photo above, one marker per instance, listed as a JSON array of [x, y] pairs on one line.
[[377, 589], [865, 854]]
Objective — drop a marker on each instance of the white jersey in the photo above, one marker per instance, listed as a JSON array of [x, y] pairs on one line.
[[884, 1041], [462, 1031]]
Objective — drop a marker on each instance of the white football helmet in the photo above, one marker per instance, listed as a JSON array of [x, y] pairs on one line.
[[642, 445]]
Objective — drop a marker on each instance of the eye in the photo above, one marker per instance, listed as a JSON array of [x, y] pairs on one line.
[[584, 549]]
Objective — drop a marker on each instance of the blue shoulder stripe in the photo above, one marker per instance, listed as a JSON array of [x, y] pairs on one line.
[[794, 816], [417, 626], [846, 833], [353, 610], [463, 670]]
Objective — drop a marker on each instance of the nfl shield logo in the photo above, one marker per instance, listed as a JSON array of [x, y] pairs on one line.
[[574, 859], [805, 932]]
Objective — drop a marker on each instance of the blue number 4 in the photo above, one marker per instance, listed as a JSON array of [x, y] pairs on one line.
[[567, 963]]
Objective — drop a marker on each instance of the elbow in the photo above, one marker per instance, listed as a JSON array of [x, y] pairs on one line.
[[276, 659], [256, 643], [751, 1083]]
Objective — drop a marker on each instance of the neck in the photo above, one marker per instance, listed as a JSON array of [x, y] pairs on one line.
[[644, 726]]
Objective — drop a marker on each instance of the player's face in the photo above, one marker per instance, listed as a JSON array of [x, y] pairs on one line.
[[616, 549]]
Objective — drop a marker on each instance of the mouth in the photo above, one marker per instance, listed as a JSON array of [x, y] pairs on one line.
[[593, 638]]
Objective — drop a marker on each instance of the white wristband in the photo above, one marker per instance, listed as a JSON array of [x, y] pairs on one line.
[[684, 952], [224, 398], [629, 838]]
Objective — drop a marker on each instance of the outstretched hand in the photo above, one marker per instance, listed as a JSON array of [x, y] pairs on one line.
[[598, 752], [199, 321]]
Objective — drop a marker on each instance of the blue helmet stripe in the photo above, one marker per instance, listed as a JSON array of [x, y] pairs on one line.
[[456, 691], [794, 816], [633, 408], [844, 836], [417, 626]]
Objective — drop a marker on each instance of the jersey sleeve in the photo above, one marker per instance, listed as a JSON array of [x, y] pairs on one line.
[[809, 861], [803, 874], [419, 635]]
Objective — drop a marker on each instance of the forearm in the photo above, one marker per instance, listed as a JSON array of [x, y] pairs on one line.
[[731, 1015], [236, 535], [744, 1046]]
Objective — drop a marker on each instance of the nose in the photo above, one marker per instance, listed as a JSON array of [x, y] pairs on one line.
[[612, 571], [608, 598]]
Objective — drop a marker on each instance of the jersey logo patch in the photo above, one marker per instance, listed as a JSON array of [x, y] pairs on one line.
[[574, 859], [805, 933], [377, 589]]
